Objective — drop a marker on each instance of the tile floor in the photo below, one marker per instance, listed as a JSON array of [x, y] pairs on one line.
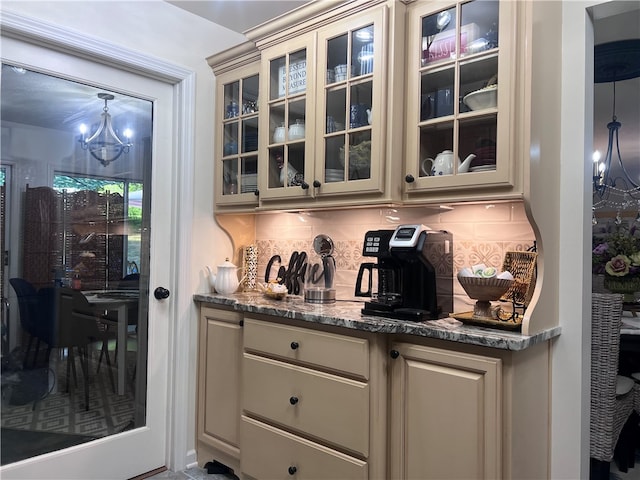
[[196, 473], [193, 473]]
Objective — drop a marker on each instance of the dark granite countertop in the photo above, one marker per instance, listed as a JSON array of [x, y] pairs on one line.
[[347, 314]]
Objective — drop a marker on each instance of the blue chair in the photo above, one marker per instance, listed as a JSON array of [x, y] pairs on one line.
[[33, 317]]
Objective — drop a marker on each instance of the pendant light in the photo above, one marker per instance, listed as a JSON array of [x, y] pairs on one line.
[[104, 145], [615, 62]]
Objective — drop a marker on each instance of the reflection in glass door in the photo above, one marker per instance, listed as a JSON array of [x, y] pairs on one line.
[[76, 371]]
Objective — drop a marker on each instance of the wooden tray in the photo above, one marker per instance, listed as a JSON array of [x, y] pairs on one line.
[[467, 317]]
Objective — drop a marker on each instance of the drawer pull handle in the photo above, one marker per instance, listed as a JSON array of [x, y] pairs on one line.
[[394, 354], [293, 400], [292, 470], [294, 345]]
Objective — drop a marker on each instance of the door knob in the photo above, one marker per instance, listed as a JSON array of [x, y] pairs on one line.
[[161, 293]]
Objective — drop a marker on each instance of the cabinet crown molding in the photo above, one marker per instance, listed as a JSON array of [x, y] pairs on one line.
[[304, 19]]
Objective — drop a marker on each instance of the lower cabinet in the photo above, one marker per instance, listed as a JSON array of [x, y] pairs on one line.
[[445, 414], [218, 390], [279, 398], [311, 402]]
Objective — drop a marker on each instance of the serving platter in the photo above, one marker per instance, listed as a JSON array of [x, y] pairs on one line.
[[471, 319]]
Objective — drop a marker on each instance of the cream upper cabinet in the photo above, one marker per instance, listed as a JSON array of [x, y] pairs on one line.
[[460, 101], [236, 137], [350, 96], [288, 119], [324, 130]]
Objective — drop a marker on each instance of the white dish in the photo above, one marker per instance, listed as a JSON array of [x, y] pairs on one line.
[[483, 98], [483, 168]]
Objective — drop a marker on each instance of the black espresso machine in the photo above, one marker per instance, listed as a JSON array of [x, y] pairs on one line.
[[413, 277]]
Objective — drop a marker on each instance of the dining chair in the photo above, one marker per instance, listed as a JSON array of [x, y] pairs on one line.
[[32, 315], [611, 394], [77, 327], [131, 282]]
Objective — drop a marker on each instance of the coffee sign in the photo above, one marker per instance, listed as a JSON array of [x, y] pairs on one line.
[[297, 78]]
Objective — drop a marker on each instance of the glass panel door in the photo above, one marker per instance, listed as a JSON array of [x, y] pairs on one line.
[[348, 103], [240, 137], [458, 112], [287, 121], [78, 295]]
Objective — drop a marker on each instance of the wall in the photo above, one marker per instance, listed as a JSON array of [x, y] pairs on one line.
[[482, 233]]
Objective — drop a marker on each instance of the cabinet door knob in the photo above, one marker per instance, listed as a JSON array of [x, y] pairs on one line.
[[292, 470], [316, 184], [294, 345], [293, 400], [394, 354], [304, 185], [409, 178]]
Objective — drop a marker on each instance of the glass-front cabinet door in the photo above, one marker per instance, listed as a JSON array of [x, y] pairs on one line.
[[351, 69], [458, 97], [288, 121], [237, 137]]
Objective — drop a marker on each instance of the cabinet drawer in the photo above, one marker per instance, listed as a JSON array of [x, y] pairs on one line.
[[330, 408], [269, 453], [322, 349]]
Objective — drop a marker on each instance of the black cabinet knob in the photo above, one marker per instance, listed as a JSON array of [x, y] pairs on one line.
[[304, 185], [292, 470], [316, 184], [294, 345], [161, 293], [394, 354], [293, 400], [256, 192], [409, 178]]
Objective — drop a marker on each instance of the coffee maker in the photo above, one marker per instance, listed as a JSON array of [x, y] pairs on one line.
[[413, 276]]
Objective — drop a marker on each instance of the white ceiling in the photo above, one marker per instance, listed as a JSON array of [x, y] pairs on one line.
[[238, 15]]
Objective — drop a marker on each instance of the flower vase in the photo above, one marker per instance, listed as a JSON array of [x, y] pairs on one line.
[[627, 286]]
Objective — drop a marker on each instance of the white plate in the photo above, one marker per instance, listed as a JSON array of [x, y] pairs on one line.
[[483, 168]]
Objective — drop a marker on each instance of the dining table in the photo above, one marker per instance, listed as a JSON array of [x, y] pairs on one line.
[[121, 302]]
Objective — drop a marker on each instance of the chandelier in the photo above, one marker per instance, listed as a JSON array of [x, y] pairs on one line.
[[614, 62], [105, 145]]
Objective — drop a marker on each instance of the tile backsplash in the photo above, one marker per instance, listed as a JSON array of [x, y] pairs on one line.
[[482, 233]]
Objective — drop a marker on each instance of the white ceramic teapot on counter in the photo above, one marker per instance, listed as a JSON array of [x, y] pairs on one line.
[[211, 278], [226, 279], [443, 164]]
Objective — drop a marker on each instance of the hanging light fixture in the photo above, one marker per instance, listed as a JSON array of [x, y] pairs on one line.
[[615, 62], [105, 145]]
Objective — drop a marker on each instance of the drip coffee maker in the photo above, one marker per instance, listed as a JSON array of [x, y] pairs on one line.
[[413, 276]]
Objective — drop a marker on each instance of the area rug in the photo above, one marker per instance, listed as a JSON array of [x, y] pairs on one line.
[[54, 410], [22, 444]]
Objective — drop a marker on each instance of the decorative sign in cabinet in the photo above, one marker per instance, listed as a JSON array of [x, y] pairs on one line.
[[324, 136], [459, 97], [287, 120]]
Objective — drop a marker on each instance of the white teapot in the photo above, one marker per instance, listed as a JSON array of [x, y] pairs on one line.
[[227, 278], [443, 164], [212, 279]]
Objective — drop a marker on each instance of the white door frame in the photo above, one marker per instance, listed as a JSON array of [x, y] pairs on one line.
[[183, 80]]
